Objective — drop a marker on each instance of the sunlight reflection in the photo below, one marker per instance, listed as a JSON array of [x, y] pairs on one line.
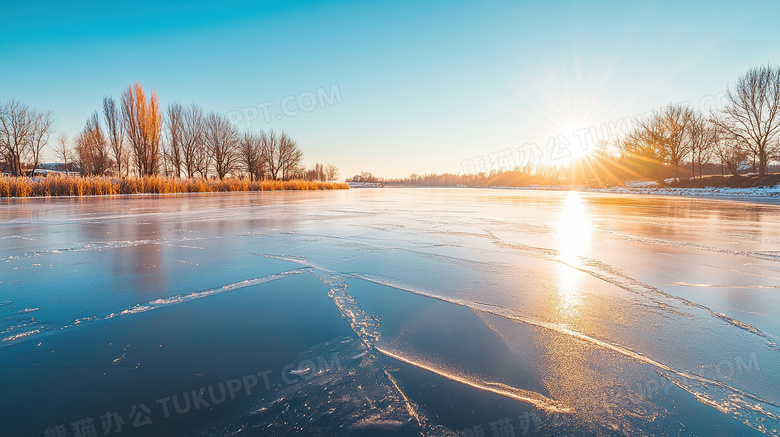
[[573, 377], [573, 236]]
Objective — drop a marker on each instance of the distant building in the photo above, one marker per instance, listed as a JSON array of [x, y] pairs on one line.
[[39, 172]]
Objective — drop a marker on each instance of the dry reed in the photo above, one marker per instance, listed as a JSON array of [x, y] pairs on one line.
[[98, 186]]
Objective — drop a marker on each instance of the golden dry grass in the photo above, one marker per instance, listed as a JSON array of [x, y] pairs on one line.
[[97, 186]]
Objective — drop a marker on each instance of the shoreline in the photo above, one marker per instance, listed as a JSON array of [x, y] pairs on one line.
[[768, 195], [187, 193]]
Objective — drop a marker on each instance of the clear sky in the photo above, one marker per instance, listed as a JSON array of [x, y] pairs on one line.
[[405, 87]]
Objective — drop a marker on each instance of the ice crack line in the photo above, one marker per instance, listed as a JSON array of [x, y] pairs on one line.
[[151, 305], [608, 274], [366, 326], [751, 409]]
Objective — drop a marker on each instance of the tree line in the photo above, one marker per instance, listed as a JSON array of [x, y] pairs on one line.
[[671, 142], [744, 133], [135, 137]]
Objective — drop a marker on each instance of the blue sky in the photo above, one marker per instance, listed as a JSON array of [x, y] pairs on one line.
[[422, 85]]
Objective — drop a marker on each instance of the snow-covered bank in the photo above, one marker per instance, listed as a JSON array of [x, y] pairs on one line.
[[649, 187], [365, 185], [709, 191]]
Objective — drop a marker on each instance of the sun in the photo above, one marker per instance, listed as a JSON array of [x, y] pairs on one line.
[[572, 143]]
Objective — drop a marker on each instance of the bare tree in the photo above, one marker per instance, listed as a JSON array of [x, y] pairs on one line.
[[194, 158], [702, 136], [40, 135], [289, 156], [63, 150], [142, 122], [92, 148], [674, 121], [730, 154], [174, 123], [331, 172], [221, 141], [202, 159], [15, 127], [752, 113], [251, 153], [271, 154], [642, 149], [115, 134]]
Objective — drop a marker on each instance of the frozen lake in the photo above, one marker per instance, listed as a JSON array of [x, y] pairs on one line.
[[390, 312]]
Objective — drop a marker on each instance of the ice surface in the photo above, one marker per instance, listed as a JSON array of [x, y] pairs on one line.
[[449, 309]]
